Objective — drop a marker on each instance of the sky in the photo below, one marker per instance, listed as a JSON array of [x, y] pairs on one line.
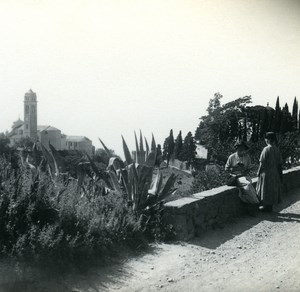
[[106, 68]]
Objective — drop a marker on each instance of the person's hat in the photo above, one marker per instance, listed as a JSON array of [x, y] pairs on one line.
[[242, 143], [270, 135]]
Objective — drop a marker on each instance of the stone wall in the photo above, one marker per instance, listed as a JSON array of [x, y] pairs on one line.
[[194, 214]]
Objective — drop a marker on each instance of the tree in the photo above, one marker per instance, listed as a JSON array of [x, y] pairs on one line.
[[189, 148], [25, 142], [72, 159], [159, 155], [169, 147], [101, 156], [224, 123], [214, 103], [264, 124], [178, 146], [286, 120], [4, 143], [295, 115], [277, 117], [259, 120]]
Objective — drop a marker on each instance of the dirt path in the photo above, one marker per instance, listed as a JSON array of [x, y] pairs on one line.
[[251, 254]]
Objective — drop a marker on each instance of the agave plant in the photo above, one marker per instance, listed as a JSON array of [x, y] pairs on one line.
[[135, 178]]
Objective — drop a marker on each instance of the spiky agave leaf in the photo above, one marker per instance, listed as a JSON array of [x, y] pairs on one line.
[[106, 149], [115, 181], [125, 180], [147, 147], [115, 163], [141, 141], [137, 155], [153, 144], [142, 152], [100, 173], [144, 181], [143, 198], [54, 161], [50, 160], [127, 154], [31, 166], [156, 184], [168, 187], [132, 170], [58, 159], [93, 165], [132, 181], [152, 155], [35, 155]]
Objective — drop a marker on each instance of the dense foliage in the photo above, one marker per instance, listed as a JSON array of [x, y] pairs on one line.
[[224, 124], [183, 150], [206, 180], [50, 213], [42, 219]]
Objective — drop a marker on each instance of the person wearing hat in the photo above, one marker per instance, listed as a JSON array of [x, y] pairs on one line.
[[269, 174], [239, 162], [238, 165]]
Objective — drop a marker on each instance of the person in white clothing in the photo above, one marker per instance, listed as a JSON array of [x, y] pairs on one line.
[[238, 165]]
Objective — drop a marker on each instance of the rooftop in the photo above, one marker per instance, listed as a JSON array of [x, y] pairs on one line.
[[46, 128], [77, 138]]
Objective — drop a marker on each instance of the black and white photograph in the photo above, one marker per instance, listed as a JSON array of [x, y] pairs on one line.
[[150, 145]]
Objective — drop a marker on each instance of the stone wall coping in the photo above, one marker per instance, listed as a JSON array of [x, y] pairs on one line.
[[294, 169], [181, 202], [213, 192]]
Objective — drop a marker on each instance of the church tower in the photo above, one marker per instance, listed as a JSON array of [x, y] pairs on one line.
[[30, 114]]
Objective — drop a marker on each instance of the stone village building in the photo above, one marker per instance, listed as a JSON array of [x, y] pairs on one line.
[[45, 133]]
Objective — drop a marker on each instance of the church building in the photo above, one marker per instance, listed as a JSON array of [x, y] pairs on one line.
[[45, 133]]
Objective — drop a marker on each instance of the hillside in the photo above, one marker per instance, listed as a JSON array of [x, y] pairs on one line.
[[183, 182]]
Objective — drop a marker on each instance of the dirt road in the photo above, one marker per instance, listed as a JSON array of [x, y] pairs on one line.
[[250, 254]]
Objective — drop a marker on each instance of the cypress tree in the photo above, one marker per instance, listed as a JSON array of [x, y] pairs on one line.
[[277, 117], [285, 120], [295, 115], [159, 155], [171, 144], [178, 146], [189, 148], [169, 147], [165, 148], [264, 123]]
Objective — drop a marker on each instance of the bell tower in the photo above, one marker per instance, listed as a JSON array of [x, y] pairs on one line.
[[30, 114]]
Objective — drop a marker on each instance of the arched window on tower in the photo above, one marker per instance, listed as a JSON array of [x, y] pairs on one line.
[[32, 109], [26, 109]]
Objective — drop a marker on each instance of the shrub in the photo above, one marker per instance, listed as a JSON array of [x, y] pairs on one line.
[[46, 214], [46, 220], [206, 180]]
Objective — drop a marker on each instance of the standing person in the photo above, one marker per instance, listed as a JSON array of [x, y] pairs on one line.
[[238, 164], [269, 174]]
